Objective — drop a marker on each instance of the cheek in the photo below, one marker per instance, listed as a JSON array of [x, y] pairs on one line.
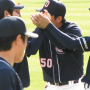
[[13, 14], [26, 41], [52, 20], [22, 52], [24, 48]]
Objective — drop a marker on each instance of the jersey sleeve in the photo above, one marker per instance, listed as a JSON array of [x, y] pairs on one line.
[[67, 41], [85, 43], [34, 44], [7, 80], [53, 38]]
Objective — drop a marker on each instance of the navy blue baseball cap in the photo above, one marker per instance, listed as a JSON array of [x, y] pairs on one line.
[[54, 7], [89, 8], [9, 4], [12, 26]]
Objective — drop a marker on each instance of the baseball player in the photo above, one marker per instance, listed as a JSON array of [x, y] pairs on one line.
[[86, 77], [13, 42], [80, 43], [9, 8], [62, 67]]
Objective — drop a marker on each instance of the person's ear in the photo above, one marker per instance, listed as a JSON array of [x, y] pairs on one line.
[[59, 19], [18, 39], [6, 13]]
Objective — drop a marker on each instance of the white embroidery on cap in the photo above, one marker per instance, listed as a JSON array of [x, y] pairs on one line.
[[47, 4]]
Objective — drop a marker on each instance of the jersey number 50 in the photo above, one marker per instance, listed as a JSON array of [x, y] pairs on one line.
[[46, 62]]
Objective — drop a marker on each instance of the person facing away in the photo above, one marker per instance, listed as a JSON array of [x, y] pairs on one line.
[[60, 65], [9, 8], [13, 42]]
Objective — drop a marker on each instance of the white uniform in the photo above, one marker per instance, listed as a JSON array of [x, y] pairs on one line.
[[70, 86]]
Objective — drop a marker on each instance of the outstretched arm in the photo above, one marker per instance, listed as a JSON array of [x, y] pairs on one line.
[[43, 22], [79, 43], [34, 44]]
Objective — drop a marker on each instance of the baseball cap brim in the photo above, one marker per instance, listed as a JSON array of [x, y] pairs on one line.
[[42, 10], [33, 35], [18, 6]]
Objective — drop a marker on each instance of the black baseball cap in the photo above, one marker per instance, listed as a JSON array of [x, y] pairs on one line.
[[9, 4], [54, 7], [12, 26]]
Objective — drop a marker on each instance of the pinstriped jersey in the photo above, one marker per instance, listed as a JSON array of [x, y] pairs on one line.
[[57, 61]]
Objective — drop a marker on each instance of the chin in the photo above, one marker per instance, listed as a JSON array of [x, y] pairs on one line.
[[18, 61]]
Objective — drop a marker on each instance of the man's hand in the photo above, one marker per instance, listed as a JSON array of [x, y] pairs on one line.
[[18, 11], [40, 20], [47, 13]]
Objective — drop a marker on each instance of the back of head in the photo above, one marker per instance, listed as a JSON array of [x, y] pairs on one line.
[[10, 28], [13, 25], [54, 7]]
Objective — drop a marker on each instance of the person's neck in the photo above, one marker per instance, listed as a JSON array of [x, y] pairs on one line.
[[59, 25], [8, 56]]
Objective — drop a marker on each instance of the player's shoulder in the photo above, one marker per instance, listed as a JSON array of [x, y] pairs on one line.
[[6, 72], [73, 28], [4, 65], [7, 76], [72, 25], [6, 69]]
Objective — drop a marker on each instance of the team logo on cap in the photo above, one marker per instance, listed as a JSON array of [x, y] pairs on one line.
[[47, 4]]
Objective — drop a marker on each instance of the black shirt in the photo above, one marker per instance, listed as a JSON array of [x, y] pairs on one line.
[[9, 80], [58, 62]]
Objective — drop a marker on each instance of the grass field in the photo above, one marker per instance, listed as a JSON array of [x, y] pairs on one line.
[[77, 12]]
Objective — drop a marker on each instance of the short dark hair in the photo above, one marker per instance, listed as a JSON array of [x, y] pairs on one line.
[[6, 42], [10, 11], [2, 14], [63, 19]]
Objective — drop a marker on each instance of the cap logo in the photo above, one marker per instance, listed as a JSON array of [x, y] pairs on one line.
[[47, 3]]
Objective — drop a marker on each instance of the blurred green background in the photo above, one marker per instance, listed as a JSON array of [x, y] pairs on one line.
[[77, 12]]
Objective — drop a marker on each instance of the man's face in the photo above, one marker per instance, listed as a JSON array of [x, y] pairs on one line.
[[56, 21], [21, 48], [15, 13], [53, 20]]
